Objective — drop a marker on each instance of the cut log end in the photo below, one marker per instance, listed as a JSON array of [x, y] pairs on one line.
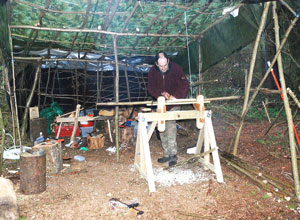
[[8, 200]]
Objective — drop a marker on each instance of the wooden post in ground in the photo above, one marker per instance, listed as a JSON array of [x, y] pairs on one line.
[[75, 125], [250, 76], [29, 99], [2, 132], [286, 106], [293, 23], [200, 68], [97, 84], [116, 96], [127, 82], [14, 94]]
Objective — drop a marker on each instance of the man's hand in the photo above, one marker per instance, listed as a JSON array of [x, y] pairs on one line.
[[167, 96]]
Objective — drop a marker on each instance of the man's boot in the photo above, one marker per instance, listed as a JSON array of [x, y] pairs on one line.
[[173, 160], [163, 159]]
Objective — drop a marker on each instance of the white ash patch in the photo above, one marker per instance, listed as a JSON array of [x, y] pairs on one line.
[[179, 175]]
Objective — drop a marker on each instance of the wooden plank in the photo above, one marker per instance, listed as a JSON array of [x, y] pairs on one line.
[[200, 141], [147, 157], [215, 154], [172, 115], [75, 124], [59, 129], [80, 118], [152, 127], [34, 112], [207, 145]]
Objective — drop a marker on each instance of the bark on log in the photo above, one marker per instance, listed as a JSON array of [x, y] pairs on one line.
[[33, 172], [8, 200], [53, 150]]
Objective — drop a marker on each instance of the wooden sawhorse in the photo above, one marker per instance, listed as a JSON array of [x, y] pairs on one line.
[[206, 135]]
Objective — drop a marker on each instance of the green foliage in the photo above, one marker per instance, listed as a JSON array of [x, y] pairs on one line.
[[265, 196], [271, 141], [292, 206]]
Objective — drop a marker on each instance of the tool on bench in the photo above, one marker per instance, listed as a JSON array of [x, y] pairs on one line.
[[131, 206]]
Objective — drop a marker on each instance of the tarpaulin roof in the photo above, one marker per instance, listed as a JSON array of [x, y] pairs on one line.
[[141, 28]]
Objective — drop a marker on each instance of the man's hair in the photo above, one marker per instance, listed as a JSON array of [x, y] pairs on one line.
[[156, 58]]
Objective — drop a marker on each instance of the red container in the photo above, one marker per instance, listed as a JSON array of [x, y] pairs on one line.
[[66, 131], [86, 124]]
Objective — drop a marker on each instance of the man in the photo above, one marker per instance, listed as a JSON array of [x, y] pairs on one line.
[[167, 79]]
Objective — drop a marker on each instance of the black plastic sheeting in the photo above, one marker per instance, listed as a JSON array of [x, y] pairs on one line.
[[137, 63]]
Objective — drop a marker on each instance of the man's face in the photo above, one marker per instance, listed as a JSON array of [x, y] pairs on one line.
[[163, 64]]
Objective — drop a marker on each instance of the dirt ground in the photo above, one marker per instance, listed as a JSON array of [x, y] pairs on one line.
[[84, 189]]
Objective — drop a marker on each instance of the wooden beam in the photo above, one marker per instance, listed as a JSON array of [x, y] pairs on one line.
[[170, 102], [172, 115], [65, 12], [98, 31]]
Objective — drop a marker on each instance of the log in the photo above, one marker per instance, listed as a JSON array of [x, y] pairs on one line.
[[53, 150], [33, 172], [96, 142], [8, 200]]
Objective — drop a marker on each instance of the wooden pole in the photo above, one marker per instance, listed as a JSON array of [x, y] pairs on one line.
[[293, 97], [76, 83], [101, 80], [8, 88], [274, 121], [2, 142], [84, 84], [97, 83], [29, 99], [116, 97], [76, 30], [286, 106], [250, 76], [170, 102], [294, 21], [53, 82], [14, 91], [127, 82], [39, 88], [47, 84], [200, 68]]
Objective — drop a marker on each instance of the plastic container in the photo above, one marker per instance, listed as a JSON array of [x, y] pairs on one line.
[[66, 131], [86, 124], [86, 127]]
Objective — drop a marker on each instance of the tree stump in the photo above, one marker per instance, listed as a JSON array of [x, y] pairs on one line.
[[8, 200], [54, 161], [33, 172]]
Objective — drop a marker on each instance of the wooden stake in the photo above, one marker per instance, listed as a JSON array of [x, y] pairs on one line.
[[75, 125], [29, 99], [293, 97], [250, 76], [127, 82], [2, 131], [15, 104], [266, 110], [286, 106], [116, 96]]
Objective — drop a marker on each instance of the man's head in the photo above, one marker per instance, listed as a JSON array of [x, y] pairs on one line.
[[162, 62]]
